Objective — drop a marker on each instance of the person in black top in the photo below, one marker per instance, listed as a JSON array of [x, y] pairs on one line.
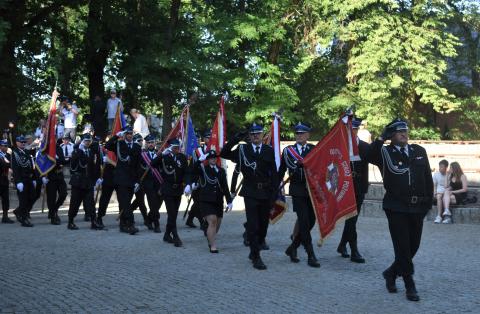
[[24, 177], [173, 167], [151, 184], [213, 186], [125, 175], [108, 186], [85, 177], [5, 162], [292, 157], [56, 187], [260, 184], [139, 201], [407, 179], [360, 183]]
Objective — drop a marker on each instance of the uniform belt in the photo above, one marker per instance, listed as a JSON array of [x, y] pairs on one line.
[[414, 199], [263, 185]]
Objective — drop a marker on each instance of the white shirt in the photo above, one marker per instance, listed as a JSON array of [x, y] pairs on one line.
[[112, 104], [141, 126], [38, 132], [439, 181], [70, 118], [69, 149], [60, 130]]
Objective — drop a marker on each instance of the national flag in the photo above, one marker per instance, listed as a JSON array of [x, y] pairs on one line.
[[329, 179], [218, 138], [190, 140], [46, 156], [177, 131], [118, 124]]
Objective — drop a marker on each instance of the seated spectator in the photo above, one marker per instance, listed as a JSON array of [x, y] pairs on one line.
[[439, 181], [455, 191]]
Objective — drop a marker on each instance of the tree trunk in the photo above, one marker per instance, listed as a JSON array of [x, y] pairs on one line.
[[8, 84], [168, 101]]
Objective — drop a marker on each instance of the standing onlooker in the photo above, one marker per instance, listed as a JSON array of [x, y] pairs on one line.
[[112, 105], [455, 191], [60, 128], [97, 112], [140, 125], [69, 113], [39, 129], [439, 181]]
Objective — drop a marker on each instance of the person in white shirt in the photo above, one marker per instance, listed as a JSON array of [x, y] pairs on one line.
[[439, 183], [140, 126], [60, 129], [69, 112], [39, 129], [112, 104]]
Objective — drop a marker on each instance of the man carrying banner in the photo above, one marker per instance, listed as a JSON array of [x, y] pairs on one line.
[[360, 184], [125, 175], [84, 179], [408, 183], [260, 184], [139, 200], [292, 158], [173, 166]]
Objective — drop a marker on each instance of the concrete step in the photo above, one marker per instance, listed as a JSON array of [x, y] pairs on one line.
[[376, 192]]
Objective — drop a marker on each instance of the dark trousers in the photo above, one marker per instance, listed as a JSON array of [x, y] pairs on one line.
[[37, 191], [406, 233], [139, 202], [349, 234], [79, 195], [258, 212], [124, 196], [172, 203], [195, 209], [55, 188], [154, 203], [26, 199], [107, 191], [4, 194], [306, 218]]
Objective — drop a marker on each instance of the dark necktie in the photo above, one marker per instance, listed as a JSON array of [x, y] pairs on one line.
[[87, 152], [404, 153], [257, 150], [66, 151], [130, 145], [302, 149]]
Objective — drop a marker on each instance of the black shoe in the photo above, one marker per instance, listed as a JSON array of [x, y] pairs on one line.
[[390, 281], [251, 257], [213, 251], [167, 238], [6, 220], [17, 215], [411, 290], [357, 257], [291, 251], [148, 223], [26, 223], [264, 246], [94, 225], [245, 239], [54, 221], [124, 228], [72, 226], [132, 229], [157, 229], [313, 262], [258, 264], [190, 224], [100, 224], [342, 249], [176, 240], [58, 221], [86, 218]]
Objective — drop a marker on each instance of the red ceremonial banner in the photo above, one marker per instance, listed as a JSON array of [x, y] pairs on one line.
[[329, 179]]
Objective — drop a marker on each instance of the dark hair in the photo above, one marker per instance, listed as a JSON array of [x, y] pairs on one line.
[[443, 162], [456, 171]]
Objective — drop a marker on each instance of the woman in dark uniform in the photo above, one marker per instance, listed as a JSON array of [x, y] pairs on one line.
[[213, 187]]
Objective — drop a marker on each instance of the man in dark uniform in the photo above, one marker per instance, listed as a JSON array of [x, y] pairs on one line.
[[5, 162], [84, 178], [292, 157], [151, 184], [407, 179], [360, 184], [108, 186], [173, 167], [56, 187], [260, 184], [125, 175], [24, 177], [139, 201], [195, 210]]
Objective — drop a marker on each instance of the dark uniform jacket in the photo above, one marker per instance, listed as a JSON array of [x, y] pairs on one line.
[[173, 169], [213, 185], [128, 162], [5, 163], [22, 166], [360, 169], [298, 183], [83, 172], [260, 176], [149, 181], [57, 172], [407, 181]]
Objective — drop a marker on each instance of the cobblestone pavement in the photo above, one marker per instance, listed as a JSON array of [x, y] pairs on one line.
[[51, 269]]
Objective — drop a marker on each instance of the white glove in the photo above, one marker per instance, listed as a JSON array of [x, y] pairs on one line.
[[166, 151], [194, 186], [105, 159], [188, 190], [202, 157], [136, 187], [98, 183], [121, 133], [44, 180], [34, 184], [229, 207], [20, 187]]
